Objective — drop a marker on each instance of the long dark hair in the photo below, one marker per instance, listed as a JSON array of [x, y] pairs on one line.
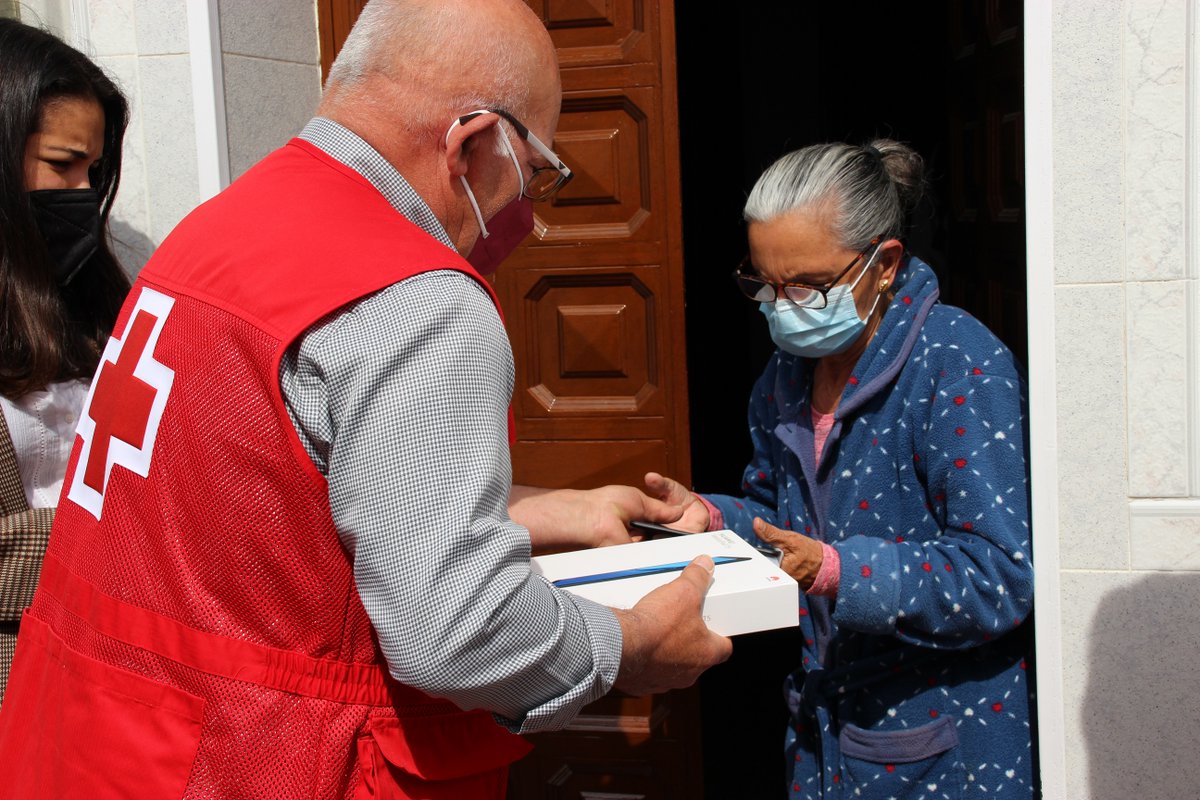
[[50, 333]]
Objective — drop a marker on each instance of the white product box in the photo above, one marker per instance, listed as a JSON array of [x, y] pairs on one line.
[[749, 592]]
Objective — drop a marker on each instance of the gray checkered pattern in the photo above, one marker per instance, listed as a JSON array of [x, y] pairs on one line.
[[401, 399]]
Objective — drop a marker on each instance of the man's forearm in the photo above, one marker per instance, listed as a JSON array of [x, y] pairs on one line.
[[547, 515]]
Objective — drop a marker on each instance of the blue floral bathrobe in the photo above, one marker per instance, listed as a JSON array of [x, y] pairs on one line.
[[913, 680]]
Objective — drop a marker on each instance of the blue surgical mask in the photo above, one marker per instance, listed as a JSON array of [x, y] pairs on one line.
[[819, 332]]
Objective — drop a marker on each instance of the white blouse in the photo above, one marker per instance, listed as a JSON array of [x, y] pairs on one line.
[[42, 425]]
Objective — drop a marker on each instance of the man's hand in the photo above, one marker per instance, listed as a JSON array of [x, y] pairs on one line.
[[666, 643], [572, 519], [802, 555], [693, 515]]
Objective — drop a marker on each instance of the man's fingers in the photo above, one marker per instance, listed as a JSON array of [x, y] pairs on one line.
[[666, 489], [699, 574], [667, 644], [659, 511], [706, 562], [694, 580], [724, 647]]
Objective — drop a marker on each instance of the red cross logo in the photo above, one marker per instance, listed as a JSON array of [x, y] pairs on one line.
[[120, 419]]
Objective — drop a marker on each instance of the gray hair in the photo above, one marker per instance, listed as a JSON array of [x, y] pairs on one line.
[[413, 42], [868, 191]]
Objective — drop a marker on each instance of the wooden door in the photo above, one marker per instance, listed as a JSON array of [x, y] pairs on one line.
[[594, 300], [593, 303], [987, 166], [335, 18]]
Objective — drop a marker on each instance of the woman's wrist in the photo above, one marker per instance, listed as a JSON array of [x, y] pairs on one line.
[[716, 520], [825, 582]]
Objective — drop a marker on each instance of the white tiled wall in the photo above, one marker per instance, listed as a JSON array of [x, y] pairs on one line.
[[272, 72], [169, 138], [112, 27], [1155, 122], [280, 30], [1166, 542], [143, 46], [1129, 643], [1089, 206], [1090, 340], [266, 103], [1128, 385], [162, 26], [1158, 369]]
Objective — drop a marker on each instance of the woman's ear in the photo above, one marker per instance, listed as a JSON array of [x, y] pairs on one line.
[[460, 143], [891, 253]]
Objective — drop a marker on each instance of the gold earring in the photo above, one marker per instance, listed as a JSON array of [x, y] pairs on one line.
[[883, 284]]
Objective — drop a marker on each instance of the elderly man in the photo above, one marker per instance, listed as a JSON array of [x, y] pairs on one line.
[[286, 562]]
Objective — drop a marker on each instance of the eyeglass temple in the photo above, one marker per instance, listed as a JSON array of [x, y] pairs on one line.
[[524, 133]]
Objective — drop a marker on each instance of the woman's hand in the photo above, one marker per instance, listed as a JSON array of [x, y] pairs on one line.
[[802, 555], [692, 516]]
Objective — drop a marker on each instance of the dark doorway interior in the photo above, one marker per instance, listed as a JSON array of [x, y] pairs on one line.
[[757, 80]]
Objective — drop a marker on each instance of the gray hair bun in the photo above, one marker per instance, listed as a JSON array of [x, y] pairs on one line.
[[906, 170], [869, 190]]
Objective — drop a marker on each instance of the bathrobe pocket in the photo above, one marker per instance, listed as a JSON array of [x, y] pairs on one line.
[[905, 764]]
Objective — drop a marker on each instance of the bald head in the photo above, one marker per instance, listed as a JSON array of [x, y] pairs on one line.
[[427, 61], [410, 72]]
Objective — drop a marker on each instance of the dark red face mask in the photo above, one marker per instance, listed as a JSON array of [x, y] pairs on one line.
[[505, 232], [509, 226]]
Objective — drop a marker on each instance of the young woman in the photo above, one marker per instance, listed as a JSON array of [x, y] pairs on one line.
[[61, 126]]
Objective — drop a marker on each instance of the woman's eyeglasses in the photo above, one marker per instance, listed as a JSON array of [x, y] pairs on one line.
[[805, 295], [544, 181]]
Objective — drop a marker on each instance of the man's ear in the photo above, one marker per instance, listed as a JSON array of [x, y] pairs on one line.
[[462, 141]]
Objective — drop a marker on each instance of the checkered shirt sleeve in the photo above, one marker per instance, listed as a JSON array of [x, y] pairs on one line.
[[401, 399]]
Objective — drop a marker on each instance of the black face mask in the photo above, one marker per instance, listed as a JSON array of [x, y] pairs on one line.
[[69, 220]]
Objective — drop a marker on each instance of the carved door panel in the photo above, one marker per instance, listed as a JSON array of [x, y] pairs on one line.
[[593, 303], [594, 299], [987, 192]]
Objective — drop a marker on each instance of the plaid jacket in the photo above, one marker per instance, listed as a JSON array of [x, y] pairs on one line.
[[24, 532]]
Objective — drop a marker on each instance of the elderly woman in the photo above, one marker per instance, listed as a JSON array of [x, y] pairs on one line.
[[889, 467]]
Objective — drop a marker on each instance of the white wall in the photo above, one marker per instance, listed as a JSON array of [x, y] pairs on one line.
[[272, 68], [1126, 306]]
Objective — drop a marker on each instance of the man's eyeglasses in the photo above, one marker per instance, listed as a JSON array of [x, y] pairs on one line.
[[804, 295], [544, 181]]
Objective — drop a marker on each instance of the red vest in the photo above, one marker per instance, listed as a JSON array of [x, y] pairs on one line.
[[197, 631]]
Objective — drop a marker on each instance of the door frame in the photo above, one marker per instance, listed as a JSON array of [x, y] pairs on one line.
[[1043, 407]]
